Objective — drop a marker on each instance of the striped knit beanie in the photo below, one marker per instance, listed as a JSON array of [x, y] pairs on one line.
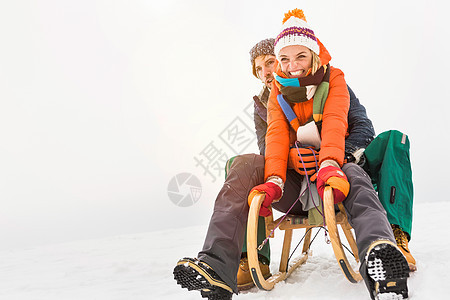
[[264, 47], [295, 31]]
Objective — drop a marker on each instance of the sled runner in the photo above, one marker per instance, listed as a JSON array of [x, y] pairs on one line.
[[288, 224]]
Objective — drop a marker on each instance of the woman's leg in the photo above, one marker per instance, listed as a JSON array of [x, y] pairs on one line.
[[383, 266], [365, 213]]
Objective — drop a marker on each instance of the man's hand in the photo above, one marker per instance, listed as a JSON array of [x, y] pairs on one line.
[[335, 178], [273, 193]]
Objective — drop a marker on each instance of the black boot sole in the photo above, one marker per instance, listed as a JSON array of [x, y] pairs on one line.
[[192, 277], [389, 271]]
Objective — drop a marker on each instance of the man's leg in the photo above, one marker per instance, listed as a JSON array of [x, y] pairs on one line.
[[225, 236], [265, 251], [291, 191], [389, 166], [213, 273]]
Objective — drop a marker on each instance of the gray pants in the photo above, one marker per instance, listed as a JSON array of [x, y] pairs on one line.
[[225, 236]]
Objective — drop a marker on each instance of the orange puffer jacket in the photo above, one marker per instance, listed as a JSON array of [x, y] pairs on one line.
[[280, 136]]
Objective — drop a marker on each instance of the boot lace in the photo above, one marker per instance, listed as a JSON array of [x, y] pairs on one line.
[[244, 263], [400, 237]]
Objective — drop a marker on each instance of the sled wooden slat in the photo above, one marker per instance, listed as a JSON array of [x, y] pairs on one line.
[[347, 231], [330, 215], [291, 223], [270, 225]]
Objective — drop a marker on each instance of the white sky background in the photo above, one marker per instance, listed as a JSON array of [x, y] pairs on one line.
[[103, 102]]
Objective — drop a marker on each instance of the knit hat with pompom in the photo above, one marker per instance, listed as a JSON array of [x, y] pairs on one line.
[[296, 31]]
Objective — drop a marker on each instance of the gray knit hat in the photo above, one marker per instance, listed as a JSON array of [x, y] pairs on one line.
[[264, 47]]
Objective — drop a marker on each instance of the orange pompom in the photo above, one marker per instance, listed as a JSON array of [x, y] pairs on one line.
[[298, 13]]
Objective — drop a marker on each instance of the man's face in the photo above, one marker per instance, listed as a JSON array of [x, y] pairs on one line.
[[265, 66]]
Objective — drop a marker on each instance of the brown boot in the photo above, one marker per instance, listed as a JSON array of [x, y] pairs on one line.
[[402, 243], [244, 278]]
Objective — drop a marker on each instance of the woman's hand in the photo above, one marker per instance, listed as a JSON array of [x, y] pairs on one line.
[[334, 177], [301, 159]]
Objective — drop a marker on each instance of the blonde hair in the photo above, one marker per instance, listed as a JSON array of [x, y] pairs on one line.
[[315, 64]]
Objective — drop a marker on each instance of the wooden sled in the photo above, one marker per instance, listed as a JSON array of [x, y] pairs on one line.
[[290, 223]]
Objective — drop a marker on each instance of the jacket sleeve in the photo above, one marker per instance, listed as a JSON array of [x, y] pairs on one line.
[[334, 125], [260, 119], [261, 129], [360, 127], [277, 140]]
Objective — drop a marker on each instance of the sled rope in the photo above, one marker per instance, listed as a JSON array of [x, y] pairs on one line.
[[298, 244], [279, 223], [349, 251], [307, 177], [327, 240], [309, 246], [290, 208]]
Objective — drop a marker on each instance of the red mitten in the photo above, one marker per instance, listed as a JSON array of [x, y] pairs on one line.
[[310, 159], [273, 192], [335, 178]]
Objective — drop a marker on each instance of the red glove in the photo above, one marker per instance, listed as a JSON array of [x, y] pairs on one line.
[[310, 159], [273, 192], [335, 178]]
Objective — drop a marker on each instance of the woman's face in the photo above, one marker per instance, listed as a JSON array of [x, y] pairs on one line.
[[295, 60]]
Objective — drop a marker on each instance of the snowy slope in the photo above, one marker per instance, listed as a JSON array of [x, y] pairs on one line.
[[140, 266]]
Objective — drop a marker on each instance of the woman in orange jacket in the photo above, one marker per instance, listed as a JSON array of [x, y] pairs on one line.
[[309, 103]]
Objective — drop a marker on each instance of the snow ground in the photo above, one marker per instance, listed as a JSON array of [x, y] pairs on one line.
[[139, 266]]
